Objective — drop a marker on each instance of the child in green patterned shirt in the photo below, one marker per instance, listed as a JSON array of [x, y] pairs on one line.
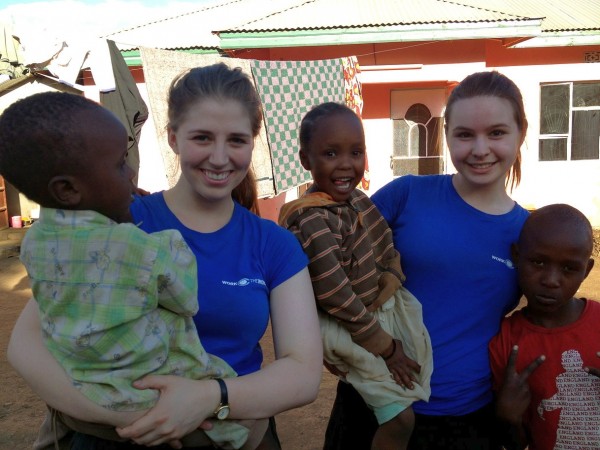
[[116, 303]]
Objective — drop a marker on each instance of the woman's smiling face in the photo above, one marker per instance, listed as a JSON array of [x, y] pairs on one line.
[[484, 139], [214, 142]]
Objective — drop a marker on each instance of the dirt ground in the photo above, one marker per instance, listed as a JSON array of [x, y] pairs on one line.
[[21, 412]]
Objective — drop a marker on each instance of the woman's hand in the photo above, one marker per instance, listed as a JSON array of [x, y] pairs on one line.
[[401, 366], [290, 381], [183, 406]]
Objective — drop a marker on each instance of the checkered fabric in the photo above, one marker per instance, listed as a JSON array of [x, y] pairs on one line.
[[288, 90]]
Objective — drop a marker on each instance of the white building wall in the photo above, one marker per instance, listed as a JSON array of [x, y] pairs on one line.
[[543, 182]]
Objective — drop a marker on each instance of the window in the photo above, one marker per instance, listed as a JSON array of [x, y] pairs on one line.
[[569, 121], [417, 142]]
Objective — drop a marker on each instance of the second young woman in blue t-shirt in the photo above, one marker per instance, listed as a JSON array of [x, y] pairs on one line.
[[454, 234]]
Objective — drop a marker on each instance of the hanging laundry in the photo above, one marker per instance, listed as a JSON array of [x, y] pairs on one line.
[[288, 90]]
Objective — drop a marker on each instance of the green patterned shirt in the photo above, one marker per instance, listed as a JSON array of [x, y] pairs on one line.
[[116, 304]]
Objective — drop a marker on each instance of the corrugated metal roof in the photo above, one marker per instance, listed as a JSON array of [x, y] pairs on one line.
[[194, 29], [198, 29], [325, 14], [559, 15]]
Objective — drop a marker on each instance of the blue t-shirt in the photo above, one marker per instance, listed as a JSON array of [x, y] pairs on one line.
[[458, 265], [238, 266]]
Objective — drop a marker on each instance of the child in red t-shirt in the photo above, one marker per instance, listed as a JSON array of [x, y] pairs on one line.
[[545, 359]]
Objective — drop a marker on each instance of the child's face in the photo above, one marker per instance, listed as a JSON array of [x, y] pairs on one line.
[[483, 138], [552, 263], [214, 143], [107, 185], [336, 155]]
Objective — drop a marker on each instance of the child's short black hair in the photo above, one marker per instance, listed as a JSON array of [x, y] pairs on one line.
[[560, 215], [42, 136], [312, 117]]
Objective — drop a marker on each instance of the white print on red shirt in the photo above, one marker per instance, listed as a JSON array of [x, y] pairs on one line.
[[578, 398]]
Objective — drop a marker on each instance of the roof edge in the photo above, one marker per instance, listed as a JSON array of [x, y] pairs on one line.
[[133, 57], [561, 39], [231, 40]]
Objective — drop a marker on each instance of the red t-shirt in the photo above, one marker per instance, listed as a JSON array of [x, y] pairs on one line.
[[564, 412]]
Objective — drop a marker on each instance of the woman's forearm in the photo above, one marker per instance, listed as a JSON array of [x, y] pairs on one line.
[[293, 379], [31, 359]]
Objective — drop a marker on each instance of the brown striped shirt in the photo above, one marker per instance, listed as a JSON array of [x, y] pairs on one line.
[[349, 245]]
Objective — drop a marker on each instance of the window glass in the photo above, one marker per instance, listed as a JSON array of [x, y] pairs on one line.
[[585, 138], [586, 94], [435, 136], [400, 138], [553, 149], [418, 113], [570, 121], [554, 109], [418, 140]]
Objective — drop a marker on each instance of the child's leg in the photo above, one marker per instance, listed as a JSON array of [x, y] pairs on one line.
[[395, 433]]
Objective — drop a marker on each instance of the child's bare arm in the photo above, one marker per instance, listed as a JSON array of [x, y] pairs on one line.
[[392, 265]]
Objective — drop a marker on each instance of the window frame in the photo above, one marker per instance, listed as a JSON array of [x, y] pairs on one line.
[[568, 136]]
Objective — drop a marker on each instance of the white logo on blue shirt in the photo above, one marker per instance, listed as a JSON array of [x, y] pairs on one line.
[[507, 262], [245, 282]]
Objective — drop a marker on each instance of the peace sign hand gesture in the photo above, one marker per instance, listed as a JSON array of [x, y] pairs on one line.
[[514, 395]]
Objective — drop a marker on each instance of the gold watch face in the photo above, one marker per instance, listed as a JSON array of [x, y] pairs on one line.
[[222, 412]]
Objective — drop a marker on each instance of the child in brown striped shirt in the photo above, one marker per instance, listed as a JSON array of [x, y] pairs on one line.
[[372, 328]]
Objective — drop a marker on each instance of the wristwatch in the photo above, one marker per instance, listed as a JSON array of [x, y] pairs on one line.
[[222, 411]]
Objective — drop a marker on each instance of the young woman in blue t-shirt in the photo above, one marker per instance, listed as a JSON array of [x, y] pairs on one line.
[[250, 271], [454, 233]]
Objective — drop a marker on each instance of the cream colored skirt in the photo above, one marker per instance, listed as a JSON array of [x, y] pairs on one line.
[[401, 317]]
